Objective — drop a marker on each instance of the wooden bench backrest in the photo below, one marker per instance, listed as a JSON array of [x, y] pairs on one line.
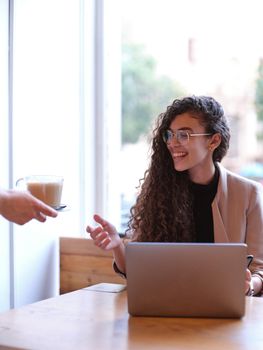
[[82, 264]]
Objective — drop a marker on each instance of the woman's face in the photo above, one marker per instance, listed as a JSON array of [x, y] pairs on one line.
[[196, 155]]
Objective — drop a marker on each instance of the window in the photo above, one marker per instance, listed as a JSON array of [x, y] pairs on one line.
[[66, 117], [174, 48]]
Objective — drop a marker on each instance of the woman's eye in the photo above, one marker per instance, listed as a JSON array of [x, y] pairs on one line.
[[183, 135]]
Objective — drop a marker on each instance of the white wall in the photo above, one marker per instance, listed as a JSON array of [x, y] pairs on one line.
[[36, 263], [4, 163]]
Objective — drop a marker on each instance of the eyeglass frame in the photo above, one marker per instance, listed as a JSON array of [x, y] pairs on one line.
[[173, 134]]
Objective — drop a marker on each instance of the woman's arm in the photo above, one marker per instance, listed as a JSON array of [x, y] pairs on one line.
[[254, 238], [106, 237]]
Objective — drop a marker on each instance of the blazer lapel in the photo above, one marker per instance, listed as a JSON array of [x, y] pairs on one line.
[[220, 235], [219, 208]]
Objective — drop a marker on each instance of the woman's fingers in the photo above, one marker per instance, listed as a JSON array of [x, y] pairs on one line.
[[105, 243], [248, 280], [97, 234], [106, 225], [248, 275], [104, 234], [100, 220], [102, 240]]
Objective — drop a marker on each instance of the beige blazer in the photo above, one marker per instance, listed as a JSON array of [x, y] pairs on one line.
[[238, 214]]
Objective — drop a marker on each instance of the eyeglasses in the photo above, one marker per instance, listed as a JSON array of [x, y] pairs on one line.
[[182, 136]]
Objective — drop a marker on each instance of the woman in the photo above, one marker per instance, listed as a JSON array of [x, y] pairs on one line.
[[187, 195]]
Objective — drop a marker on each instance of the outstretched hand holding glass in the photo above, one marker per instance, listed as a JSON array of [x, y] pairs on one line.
[[20, 207]]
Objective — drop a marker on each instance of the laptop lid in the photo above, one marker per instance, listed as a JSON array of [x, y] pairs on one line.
[[186, 279]]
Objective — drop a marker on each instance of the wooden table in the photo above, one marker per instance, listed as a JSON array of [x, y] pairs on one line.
[[97, 318]]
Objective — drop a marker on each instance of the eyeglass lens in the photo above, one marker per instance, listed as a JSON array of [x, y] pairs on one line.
[[181, 136]]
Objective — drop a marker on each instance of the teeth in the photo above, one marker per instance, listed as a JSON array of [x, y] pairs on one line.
[[179, 154]]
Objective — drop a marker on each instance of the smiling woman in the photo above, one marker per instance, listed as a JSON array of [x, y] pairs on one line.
[[186, 195]]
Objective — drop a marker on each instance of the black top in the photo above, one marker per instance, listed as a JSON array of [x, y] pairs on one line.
[[203, 196]]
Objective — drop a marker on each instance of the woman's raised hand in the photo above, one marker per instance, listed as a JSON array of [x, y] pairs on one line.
[[105, 235]]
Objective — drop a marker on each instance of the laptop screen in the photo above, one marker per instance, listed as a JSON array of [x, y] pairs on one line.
[[186, 279]]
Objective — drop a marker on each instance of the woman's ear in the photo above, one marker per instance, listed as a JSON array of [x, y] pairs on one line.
[[215, 141]]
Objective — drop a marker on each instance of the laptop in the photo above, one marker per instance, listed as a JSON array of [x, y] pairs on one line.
[[186, 279]]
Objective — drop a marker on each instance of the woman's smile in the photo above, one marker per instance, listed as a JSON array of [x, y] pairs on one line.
[[178, 157]]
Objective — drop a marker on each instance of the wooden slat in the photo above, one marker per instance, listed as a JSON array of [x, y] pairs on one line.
[[83, 264], [73, 281], [81, 246], [89, 264]]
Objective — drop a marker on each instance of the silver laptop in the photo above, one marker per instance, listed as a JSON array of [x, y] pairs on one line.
[[186, 279]]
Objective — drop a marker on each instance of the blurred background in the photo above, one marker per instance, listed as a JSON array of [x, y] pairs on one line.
[[173, 48]]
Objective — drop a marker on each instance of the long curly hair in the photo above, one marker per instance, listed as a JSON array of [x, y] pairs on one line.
[[163, 211]]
